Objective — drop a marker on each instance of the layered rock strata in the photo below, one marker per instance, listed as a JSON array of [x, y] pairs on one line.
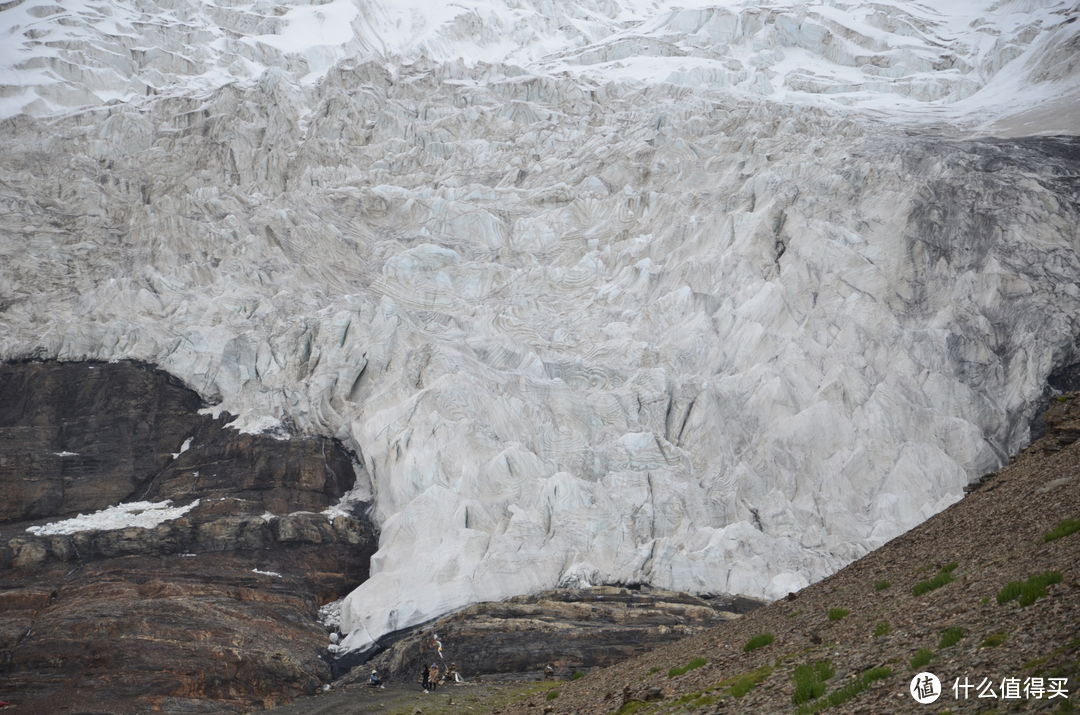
[[569, 629], [214, 609]]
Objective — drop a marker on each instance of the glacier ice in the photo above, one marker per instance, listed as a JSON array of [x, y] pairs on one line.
[[715, 298]]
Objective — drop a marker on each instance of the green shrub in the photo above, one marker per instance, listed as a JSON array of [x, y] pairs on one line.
[[882, 629], [838, 697], [994, 640], [810, 681], [552, 694], [1064, 528], [758, 641], [632, 707], [740, 685], [1030, 590], [943, 577], [949, 567], [577, 675], [921, 658], [1010, 592], [882, 585], [695, 663], [950, 637], [701, 701], [835, 614]]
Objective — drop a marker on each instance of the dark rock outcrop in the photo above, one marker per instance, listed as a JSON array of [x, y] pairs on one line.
[[81, 437], [570, 629], [213, 611]]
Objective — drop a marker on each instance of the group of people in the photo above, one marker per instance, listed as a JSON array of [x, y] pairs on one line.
[[430, 676]]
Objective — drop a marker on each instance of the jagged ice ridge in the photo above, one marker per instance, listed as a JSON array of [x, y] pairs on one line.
[[715, 298]]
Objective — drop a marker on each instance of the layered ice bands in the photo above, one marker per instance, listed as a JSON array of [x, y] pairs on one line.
[[715, 299]]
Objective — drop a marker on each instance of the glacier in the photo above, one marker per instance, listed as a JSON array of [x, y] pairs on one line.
[[715, 296]]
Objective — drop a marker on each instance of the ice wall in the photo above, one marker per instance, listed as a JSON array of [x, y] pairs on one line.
[[587, 319]]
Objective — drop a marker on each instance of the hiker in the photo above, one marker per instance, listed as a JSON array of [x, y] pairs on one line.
[[426, 675], [375, 680], [433, 676]]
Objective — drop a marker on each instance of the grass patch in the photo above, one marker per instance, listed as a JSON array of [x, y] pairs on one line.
[[835, 614], [838, 697], [577, 675], [985, 600], [740, 685], [950, 637], [1030, 590], [654, 670], [950, 567], [994, 640], [482, 698], [921, 658], [632, 707], [701, 701], [700, 698], [810, 681], [1063, 529], [552, 694], [881, 585], [695, 663], [796, 614], [690, 697], [759, 641], [882, 629], [944, 576], [1040, 661]]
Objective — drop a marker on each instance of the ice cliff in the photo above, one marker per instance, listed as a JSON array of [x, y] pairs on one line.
[[715, 297]]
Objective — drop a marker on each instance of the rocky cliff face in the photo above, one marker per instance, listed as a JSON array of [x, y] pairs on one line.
[[137, 606], [570, 629]]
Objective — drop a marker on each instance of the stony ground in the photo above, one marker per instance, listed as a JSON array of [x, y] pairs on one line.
[[994, 536], [406, 698]]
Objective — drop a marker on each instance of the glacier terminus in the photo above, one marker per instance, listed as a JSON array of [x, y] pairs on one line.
[[710, 296]]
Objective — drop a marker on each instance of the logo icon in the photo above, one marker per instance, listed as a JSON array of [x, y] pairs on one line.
[[925, 688]]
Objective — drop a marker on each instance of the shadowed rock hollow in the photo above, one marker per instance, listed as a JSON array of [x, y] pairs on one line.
[[212, 610]]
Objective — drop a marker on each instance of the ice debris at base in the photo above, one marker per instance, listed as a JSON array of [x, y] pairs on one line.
[[330, 616], [714, 298], [139, 514]]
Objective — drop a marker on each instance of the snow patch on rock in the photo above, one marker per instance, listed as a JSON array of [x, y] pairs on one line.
[[139, 515]]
